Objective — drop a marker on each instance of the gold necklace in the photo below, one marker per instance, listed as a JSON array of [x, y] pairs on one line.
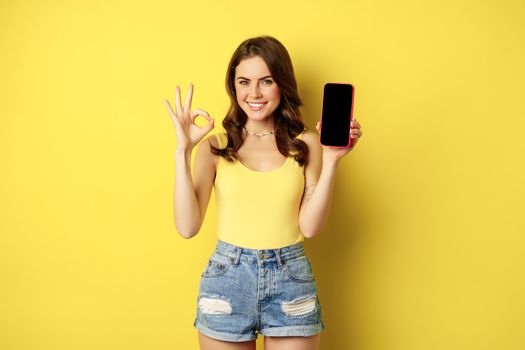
[[260, 133]]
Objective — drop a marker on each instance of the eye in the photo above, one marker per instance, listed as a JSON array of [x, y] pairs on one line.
[[242, 82], [269, 81]]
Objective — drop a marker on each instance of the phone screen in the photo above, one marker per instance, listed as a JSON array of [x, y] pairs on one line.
[[337, 113]]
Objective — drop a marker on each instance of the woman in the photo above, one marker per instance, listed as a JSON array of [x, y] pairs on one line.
[[273, 183]]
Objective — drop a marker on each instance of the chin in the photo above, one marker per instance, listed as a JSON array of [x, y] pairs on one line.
[[258, 117]]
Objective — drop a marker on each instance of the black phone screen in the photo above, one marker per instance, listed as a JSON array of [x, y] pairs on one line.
[[335, 119]]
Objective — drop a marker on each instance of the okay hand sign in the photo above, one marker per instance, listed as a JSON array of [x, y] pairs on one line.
[[188, 133]]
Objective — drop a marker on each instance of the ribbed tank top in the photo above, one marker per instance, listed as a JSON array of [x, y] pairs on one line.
[[258, 209]]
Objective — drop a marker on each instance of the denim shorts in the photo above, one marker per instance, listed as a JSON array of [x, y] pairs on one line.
[[244, 292]]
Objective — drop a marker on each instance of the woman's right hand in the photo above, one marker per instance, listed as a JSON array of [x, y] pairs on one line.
[[188, 133]]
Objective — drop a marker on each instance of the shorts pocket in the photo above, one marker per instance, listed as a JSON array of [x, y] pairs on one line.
[[299, 269], [218, 264]]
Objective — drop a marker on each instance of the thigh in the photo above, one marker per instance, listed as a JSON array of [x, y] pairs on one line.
[[207, 343], [292, 343]]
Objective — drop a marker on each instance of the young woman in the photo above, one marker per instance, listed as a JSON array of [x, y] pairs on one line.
[[273, 182]]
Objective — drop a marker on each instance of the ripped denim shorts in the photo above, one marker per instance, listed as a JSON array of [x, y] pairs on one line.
[[244, 292]]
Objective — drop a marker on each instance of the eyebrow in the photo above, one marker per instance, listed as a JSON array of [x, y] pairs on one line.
[[268, 76]]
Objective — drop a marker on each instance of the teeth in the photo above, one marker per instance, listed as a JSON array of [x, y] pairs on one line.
[[256, 104]]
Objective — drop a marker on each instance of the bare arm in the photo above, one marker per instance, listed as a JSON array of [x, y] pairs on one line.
[[191, 195], [185, 202], [319, 184], [320, 180]]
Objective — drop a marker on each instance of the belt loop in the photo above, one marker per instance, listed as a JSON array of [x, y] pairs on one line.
[[238, 256], [278, 257]]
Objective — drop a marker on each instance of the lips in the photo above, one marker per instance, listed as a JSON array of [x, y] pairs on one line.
[[256, 106]]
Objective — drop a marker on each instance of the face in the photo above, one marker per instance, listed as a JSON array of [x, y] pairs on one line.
[[256, 90]]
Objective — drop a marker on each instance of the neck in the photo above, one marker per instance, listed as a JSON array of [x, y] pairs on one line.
[[259, 126]]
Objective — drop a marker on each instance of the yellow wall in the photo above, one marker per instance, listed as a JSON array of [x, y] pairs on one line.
[[424, 246]]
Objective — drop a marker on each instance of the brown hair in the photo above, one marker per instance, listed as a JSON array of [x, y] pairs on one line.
[[288, 120]]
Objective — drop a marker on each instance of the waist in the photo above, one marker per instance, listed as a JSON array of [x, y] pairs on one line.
[[279, 255]]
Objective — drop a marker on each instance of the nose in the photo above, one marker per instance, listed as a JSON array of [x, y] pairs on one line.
[[255, 91]]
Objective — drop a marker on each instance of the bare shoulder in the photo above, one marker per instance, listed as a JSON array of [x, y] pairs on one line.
[[213, 139], [311, 139], [315, 150], [204, 148]]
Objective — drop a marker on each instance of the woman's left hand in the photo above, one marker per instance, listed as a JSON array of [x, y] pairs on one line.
[[334, 153]]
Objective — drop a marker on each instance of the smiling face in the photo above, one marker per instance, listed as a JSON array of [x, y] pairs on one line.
[[255, 89]]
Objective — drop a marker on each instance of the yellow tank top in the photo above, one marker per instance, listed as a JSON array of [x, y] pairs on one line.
[[258, 210]]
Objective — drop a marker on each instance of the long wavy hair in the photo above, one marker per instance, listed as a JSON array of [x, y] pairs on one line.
[[288, 119]]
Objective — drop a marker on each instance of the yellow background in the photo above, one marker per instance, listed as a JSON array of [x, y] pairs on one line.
[[423, 249]]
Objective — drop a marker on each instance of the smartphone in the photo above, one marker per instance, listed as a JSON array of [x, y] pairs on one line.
[[338, 104]]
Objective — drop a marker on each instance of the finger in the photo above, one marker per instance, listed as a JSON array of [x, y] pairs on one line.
[[178, 105], [318, 127], [355, 133], [173, 116], [208, 127], [356, 124], [187, 105], [197, 112], [170, 110]]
